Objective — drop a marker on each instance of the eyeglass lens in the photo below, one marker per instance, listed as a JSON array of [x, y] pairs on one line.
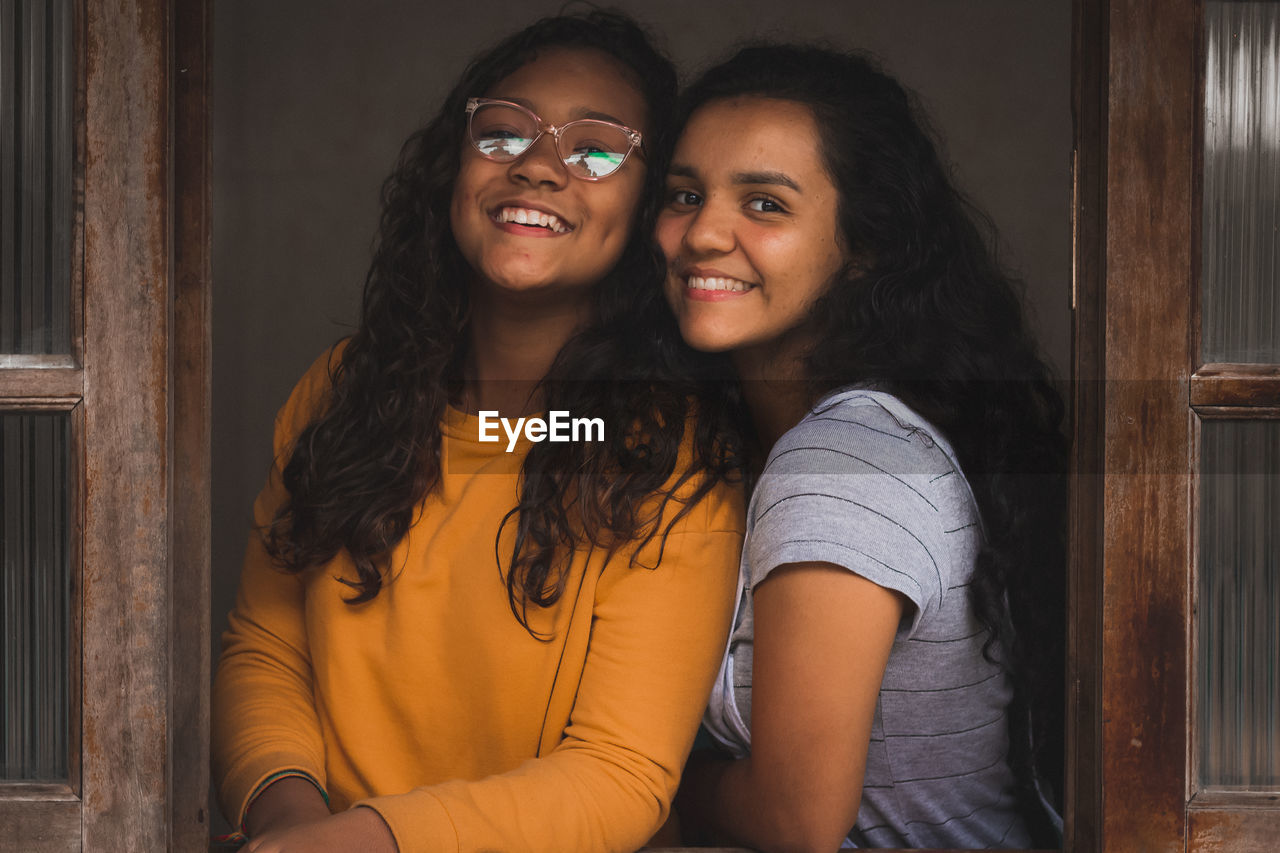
[[590, 148]]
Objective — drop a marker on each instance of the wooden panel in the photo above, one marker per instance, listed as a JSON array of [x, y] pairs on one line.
[[125, 577], [38, 404], [20, 361], [189, 604], [1082, 797], [65, 382], [1238, 829], [39, 822], [1236, 385], [1236, 413], [1150, 123]]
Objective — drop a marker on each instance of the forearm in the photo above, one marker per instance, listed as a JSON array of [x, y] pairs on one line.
[[814, 689], [263, 712], [656, 640], [723, 801]]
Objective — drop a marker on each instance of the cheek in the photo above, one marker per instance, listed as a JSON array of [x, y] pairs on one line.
[[459, 201], [618, 204], [669, 232]]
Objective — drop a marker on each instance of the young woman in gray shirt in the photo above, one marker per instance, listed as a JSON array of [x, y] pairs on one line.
[[894, 677]]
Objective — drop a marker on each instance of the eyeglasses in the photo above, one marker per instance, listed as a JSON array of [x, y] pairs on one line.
[[589, 148]]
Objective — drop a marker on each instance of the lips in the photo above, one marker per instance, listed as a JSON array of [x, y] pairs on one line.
[[530, 217]]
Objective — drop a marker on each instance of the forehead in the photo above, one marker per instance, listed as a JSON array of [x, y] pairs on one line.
[[751, 132], [565, 83]]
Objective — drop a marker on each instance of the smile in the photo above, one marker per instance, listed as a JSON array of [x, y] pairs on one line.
[[531, 218], [730, 285]]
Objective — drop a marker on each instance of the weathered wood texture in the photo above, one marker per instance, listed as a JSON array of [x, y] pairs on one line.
[[137, 387], [52, 383], [189, 591], [1235, 413], [126, 664], [1150, 124], [1238, 829], [1236, 385], [1083, 783], [39, 823]]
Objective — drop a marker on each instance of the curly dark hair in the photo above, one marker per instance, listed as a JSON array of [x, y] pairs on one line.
[[359, 471], [925, 311]]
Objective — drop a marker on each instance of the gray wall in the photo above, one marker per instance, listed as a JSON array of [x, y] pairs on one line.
[[312, 99]]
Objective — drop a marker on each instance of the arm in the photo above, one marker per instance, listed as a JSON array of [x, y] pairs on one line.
[[290, 816], [656, 639], [822, 639], [263, 713]]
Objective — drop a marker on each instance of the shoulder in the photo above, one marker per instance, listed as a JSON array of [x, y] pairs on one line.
[[865, 483], [864, 446], [860, 430]]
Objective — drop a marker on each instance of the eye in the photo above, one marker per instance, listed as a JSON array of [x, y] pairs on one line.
[[490, 127], [591, 146], [684, 198], [764, 204]]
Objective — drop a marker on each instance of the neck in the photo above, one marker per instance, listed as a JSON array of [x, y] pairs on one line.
[[512, 346], [775, 390]]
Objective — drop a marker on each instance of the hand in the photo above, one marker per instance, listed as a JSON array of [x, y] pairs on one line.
[[359, 828]]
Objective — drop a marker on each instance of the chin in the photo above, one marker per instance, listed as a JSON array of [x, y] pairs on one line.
[[519, 278], [709, 340]]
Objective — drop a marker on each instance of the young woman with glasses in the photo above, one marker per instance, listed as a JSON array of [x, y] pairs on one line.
[[443, 642], [894, 675]]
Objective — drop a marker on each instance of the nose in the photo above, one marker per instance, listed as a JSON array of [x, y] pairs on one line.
[[710, 230], [540, 165]]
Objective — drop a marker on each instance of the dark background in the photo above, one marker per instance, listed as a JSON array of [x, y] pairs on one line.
[[312, 99]]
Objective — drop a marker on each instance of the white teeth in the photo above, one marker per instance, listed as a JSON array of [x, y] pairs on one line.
[[733, 285], [526, 216]]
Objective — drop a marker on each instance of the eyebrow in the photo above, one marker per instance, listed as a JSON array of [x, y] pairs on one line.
[[774, 178], [576, 112], [779, 179]]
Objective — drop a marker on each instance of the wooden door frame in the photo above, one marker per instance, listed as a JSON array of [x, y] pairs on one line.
[[136, 385], [1134, 101], [145, 606], [1138, 112]]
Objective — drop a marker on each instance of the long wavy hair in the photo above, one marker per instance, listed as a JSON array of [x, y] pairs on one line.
[[925, 311], [359, 471]]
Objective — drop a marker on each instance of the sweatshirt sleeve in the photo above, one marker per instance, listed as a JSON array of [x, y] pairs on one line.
[[263, 713], [656, 640]]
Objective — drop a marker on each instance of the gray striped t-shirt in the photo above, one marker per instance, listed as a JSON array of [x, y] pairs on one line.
[[865, 483]]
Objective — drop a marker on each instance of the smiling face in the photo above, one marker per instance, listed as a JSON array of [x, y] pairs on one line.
[[527, 227], [748, 227]]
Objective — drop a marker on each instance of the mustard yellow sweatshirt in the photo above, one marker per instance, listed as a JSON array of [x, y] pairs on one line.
[[434, 706]]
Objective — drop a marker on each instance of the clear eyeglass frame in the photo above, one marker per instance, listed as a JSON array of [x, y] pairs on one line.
[[634, 138]]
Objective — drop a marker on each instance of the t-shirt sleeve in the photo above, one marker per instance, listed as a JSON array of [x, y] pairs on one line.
[[854, 487]]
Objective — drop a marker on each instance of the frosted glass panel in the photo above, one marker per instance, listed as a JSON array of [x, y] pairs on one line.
[[1241, 201], [36, 161], [34, 596], [1239, 609]]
